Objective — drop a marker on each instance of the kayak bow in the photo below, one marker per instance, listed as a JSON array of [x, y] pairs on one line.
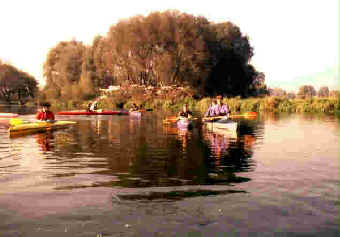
[[222, 124], [36, 127]]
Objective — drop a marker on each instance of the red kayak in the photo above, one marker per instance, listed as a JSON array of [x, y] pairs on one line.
[[8, 115], [104, 112]]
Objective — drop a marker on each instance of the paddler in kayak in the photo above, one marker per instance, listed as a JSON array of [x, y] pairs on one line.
[[134, 107], [45, 114], [92, 106], [218, 109], [211, 110], [185, 113]]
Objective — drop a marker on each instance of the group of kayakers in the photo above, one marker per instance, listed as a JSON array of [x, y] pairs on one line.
[[93, 106], [217, 108], [45, 114]]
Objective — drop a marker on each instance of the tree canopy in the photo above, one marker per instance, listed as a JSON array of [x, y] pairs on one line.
[[163, 48], [306, 91], [16, 84], [323, 91]]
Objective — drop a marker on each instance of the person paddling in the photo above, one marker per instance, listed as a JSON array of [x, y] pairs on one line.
[[134, 107], [185, 113], [93, 106], [220, 108], [211, 110], [45, 114]]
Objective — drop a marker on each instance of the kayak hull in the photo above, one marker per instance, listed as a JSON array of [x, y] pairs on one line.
[[104, 112], [222, 124], [136, 114], [184, 124], [36, 127]]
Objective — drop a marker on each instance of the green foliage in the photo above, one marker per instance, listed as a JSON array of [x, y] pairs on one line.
[[236, 104], [69, 72], [323, 91], [306, 91], [163, 48], [16, 84], [253, 105], [276, 104]]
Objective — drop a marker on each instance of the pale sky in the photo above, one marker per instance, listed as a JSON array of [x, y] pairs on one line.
[[293, 39]]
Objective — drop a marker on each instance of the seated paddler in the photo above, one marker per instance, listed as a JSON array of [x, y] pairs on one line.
[[185, 113], [45, 114], [221, 109]]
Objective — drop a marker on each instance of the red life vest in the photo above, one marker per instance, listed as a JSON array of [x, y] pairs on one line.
[[47, 115]]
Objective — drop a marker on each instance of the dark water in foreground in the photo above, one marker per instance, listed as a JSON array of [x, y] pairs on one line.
[[120, 176]]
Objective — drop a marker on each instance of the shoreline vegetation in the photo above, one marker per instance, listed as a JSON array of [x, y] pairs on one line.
[[173, 100]]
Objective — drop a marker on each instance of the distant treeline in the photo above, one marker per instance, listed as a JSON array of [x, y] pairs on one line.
[[16, 85], [305, 92], [163, 48]]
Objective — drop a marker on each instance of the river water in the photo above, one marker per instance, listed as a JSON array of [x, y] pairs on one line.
[[123, 176]]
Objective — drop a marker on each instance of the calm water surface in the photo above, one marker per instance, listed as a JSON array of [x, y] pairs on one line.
[[116, 175]]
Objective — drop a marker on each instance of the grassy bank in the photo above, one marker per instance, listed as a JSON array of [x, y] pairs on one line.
[[267, 104], [277, 104]]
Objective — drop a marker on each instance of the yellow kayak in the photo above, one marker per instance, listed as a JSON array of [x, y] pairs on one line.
[[35, 127]]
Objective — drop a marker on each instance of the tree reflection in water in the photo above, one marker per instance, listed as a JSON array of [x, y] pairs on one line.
[[144, 153], [45, 140]]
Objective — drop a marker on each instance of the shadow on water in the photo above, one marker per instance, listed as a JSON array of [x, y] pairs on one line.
[[172, 195]]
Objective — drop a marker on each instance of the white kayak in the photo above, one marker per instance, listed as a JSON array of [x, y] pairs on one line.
[[184, 123], [222, 124], [136, 114]]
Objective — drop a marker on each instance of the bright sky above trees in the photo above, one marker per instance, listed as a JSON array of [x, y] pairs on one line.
[[296, 42]]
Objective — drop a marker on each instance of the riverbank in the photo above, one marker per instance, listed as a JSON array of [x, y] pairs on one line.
[[266, 104]]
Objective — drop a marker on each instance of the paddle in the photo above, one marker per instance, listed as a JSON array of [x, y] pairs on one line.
[[213, 118], [142, 110], [245, 115], [174, 119]]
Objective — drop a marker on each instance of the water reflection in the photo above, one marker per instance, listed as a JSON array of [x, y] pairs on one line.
[[232, 151], [45, 140], [18, 109], [294, 178], [128, 152]]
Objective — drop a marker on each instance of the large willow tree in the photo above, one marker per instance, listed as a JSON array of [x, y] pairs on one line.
[[63, 68], [163, 48]]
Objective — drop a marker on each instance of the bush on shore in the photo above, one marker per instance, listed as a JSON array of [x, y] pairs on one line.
[[267, 104], [173, 98]]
